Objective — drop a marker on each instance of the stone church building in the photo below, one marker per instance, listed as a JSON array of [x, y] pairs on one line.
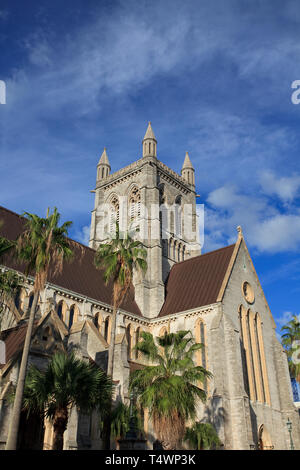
[[216, 295]]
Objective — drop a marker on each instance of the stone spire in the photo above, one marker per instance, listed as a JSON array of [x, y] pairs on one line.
[[149, 143], [103, 167], [188, 171]]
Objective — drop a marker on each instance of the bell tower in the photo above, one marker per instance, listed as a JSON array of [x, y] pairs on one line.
[[157, 199]]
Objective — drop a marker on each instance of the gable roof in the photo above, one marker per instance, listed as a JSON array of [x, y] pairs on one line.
[[196, 281], [79, 276]]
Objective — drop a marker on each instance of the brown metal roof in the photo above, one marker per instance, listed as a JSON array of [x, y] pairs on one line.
[[196, 282], [80, 276], [14, 339]]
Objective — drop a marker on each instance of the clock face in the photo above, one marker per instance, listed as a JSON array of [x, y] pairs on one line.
[[248, 292]]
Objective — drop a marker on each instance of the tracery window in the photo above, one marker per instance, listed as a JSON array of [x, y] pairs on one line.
[[134, 204], [114, 215]]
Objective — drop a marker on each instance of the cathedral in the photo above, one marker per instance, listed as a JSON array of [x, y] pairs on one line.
[[216, 295]]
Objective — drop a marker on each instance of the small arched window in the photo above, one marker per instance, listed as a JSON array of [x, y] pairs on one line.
[[59, 310], [17, 298], [129, 341], [106, 329], [71, 317], [137, 339], [31, 297]]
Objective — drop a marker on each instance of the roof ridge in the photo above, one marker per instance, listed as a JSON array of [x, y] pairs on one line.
[[11, 212], [202, 255]]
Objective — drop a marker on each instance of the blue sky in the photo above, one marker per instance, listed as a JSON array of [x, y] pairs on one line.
[[213, 77]]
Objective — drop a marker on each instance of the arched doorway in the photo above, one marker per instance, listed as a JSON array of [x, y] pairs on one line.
[[264, 439]]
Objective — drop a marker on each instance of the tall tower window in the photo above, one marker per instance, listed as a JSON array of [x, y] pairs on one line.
[[114, 216], [178, 216], [134, 206]]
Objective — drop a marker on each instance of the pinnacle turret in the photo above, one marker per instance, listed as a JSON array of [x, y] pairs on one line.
[[188, 171], [103, 167], [149, 143]]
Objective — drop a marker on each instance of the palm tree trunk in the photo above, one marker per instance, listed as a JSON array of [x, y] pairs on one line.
[[60, 423], [110, 371], [12, 438]]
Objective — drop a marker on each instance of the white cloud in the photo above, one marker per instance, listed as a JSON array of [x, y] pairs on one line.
[[278, 233], [264, 226], [83, 235], [286, 188], [285, 318]]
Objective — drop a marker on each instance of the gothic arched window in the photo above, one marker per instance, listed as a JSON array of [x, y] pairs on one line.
[[129, 340], [73, 315], [106, 329], [62, 310], [98, 321], [134, 204], [31, 297], [134, 208], [137, 339], [178, 210], [253, 356], [114, 215], [17, 298], [201, 359]]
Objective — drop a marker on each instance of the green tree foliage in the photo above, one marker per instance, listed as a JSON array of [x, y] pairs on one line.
[[169, 388], [119, 257], [290, 340], [67, 382], [202, 436], [43, 246]]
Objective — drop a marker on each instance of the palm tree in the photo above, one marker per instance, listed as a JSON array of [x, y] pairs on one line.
[[119, 258], [202, 436], [9, 283], [5, 245], [43, 246], [289, 341], [169, 387], [120, 420], [67, 382]]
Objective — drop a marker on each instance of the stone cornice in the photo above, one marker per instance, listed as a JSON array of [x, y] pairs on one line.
[[134, 168]]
